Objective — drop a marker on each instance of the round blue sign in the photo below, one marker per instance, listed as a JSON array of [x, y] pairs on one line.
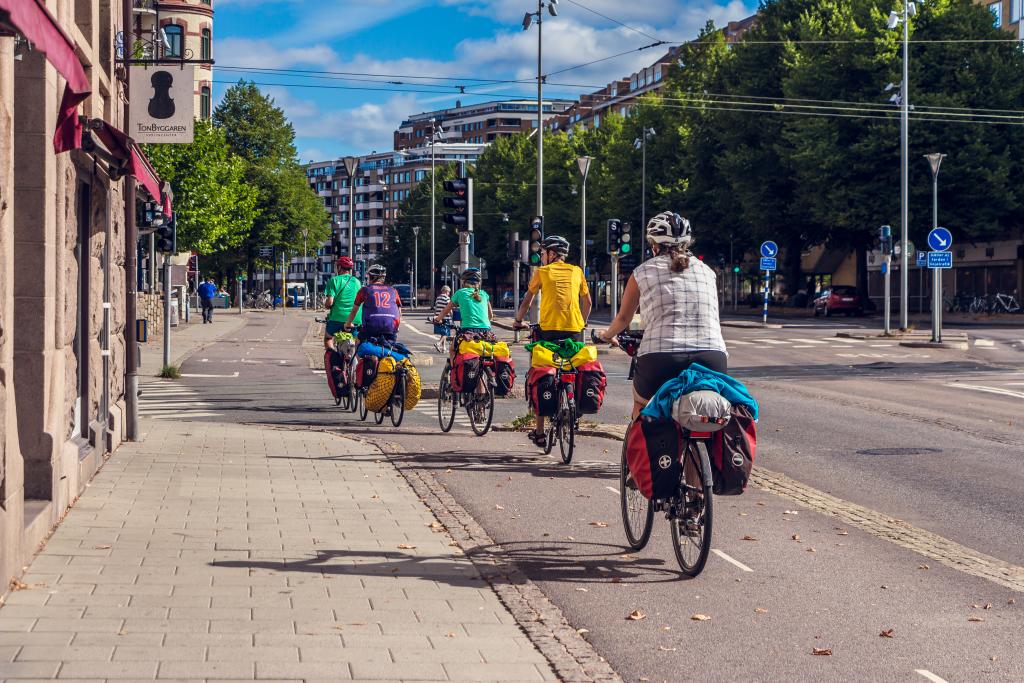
[[940, 239], [769, 249]]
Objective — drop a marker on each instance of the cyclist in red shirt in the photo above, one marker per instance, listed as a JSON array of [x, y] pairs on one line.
[[381, 307]]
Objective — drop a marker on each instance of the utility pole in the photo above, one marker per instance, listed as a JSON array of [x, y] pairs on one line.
[[584, 166], [934, 162], [415, 265], [131, 248], [167, 310], [433, 206], [905, 173], [350, 168]]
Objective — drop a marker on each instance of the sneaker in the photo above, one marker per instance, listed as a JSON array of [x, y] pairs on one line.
[[437, 347]]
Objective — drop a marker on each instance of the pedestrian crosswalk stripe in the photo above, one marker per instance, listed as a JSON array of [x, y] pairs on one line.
[[808, 341]]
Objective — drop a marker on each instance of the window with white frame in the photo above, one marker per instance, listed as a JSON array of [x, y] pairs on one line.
[[996, 8]]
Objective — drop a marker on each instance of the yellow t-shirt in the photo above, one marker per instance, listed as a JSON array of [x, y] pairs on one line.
[[561, 285]]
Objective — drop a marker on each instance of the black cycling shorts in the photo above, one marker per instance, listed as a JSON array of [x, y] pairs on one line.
[[653, 370], [558, 335]]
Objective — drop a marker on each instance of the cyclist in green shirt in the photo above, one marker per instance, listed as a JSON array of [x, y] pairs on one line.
[[340, 296], [473, 303]]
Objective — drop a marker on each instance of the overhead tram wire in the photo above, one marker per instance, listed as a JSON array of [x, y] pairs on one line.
[[613, 20]]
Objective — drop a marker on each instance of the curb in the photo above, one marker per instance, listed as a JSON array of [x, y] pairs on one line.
[[953, 345], [743, 324]]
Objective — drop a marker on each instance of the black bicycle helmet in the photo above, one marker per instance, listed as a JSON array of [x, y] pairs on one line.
[[556, 243], [472, 275]]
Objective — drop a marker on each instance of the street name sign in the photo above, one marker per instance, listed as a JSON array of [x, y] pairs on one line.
[[940, 239], [769, 264], [940, 259]]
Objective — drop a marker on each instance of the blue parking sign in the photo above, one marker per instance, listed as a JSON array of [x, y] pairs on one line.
[[922, 259]]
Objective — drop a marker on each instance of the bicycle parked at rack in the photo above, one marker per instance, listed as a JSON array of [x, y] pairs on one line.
[[565, 422], [1004, 303], [258, 300], [479, 403], [690, 511]]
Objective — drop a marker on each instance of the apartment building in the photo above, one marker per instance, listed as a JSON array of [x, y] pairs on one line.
[[64, 290], [1007, 15], [178, 30], [478, 124]]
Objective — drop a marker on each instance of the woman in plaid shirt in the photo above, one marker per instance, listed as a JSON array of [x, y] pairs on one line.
[[677, 296]]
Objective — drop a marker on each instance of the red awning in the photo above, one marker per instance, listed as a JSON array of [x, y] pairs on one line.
[[136, 162], [34, 21]]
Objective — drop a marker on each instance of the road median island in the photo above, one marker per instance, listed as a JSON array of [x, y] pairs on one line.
[[879, 524]]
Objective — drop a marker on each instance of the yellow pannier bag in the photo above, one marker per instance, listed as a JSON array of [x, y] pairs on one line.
[[380, 391], [545, 358], [413, 385], [587, 354], [484, 348]]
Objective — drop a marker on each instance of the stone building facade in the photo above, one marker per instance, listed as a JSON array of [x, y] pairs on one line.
[[62, 260]]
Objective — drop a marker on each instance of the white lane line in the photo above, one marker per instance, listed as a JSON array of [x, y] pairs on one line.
[[613, 489], [930, 676], [422, 334], [989, 390], [803, 346], [731, 560], [850, 340], [178, 416], [881, 346], [984, 342], [319, 372], [232, 375], [808, 341], [737, 341], [774, 341]]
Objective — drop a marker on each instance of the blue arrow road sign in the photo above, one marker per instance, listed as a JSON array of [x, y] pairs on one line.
[[922, 259], [769, 249], [769, 264], [940, 239], [940, 259]]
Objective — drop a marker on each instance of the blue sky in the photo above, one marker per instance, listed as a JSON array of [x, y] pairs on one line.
[[418, 41]]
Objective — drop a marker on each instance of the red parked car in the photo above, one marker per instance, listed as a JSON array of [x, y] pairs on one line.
[[838, 299]]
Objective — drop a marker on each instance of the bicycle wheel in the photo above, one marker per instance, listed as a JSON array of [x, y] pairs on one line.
[[637, 510], [447, 401], [566, 425], [481, 407], [378, 418], [361, 401], [398, 400], [552, 432], [691, 520]]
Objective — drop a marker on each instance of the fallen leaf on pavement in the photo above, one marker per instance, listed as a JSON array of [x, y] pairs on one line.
[[450, 635], [761, 503], [790, 512], [988, 605], [375, 497], [582, 631], [104, 546], [922, 566], [843, 533], [448, 471], [636, 615], [435, 525], [616, 579], [760, 610], [1011, 601], [568, 538], [743, 514], [796, 537], [498, 507], [748, 537], [666, 628], [975, 619], [822, 651], [701, 617], [18, 585], [583, 590], [666, 649], [406, 546], [811, 550], [599, 524], [887, 633]]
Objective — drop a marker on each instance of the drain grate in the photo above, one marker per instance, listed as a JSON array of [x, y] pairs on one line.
[[898, 451]]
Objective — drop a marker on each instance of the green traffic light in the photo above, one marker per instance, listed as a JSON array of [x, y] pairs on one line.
[[736, 269], [625, 248], [534, 259]]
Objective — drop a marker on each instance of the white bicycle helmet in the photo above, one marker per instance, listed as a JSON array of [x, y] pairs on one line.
[[669, 228], [377, 271], [555, 243]]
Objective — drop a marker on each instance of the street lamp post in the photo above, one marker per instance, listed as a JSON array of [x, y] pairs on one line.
[[895, 19], [350, 169], [584, 166], [641, 142], [415, 265], [528, 20], [305, 265], [934, 161]]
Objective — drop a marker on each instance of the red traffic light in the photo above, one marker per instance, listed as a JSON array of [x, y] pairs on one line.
[[459, 186]]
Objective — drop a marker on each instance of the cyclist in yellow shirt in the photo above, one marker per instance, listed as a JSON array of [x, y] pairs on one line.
[[565, 301]]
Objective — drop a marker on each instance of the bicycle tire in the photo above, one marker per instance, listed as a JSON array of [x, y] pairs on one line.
[[398, 400], [447, 401], [482, 414], [632, 501], [566, 426], [549, 436], [682, 539], [361, 401]]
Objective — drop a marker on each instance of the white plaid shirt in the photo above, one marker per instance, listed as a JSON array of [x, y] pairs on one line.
[[679, 310]]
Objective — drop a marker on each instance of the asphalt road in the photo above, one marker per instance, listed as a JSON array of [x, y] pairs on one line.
[[932, 437]]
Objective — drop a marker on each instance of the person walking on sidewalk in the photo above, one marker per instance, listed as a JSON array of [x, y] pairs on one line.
[[206, 292], [441, 304]]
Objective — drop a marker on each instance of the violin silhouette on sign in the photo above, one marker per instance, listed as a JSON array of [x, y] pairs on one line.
[[161, 106]]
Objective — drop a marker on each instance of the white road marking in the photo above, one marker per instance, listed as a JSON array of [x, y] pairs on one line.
[[319, 372], [984, 342], [803, 346], [178, 416], [737, 341], [809, 341], [774, 341], [989, 390], [232, 375], [204, 360], [881, 346], [850, 340], [930, 676], [731, 560], [419, 332], [613, 490]]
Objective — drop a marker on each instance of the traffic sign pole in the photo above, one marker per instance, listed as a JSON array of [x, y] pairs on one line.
[[939, 240], [764, 316]]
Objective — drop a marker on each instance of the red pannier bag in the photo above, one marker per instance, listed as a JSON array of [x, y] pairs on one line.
[[590, 385], [465, 372], [541, 391], [653, 453], [732, 452], [504, 375], [334, 367], [366, 371]]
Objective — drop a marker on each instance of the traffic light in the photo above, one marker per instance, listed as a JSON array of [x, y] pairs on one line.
[[735, 269], [536, 236], [512, 248], [885, 240], [614, 236], [626, 240], [458, 202], [408, 264], [167, 236]]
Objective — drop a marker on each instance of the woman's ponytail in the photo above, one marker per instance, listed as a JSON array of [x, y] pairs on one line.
[[680, 258], [476, 293]]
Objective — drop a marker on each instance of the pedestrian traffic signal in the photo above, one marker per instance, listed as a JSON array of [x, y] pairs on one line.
[[614, 236], [536, 236], [512, 248], [458, 202], [626, 239], [167, 236], [735, 269], [885, 240]]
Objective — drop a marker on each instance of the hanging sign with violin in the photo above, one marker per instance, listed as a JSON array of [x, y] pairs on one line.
[[162, 102]]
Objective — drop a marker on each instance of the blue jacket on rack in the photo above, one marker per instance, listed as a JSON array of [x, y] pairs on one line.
[[698, 378]]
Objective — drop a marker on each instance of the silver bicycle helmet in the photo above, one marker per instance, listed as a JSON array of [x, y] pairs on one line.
[[376, 271], [555, 243], [669, 228]]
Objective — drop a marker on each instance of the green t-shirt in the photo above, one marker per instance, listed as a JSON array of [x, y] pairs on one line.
[[472, 312], [344, 289]]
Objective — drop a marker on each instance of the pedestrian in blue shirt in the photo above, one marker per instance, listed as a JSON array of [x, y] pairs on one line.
[[206, 292]]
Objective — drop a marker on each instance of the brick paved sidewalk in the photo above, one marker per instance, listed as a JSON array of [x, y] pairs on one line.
[[215, 551]]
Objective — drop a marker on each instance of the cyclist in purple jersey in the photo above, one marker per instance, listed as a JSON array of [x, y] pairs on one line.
[[381, 307]]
